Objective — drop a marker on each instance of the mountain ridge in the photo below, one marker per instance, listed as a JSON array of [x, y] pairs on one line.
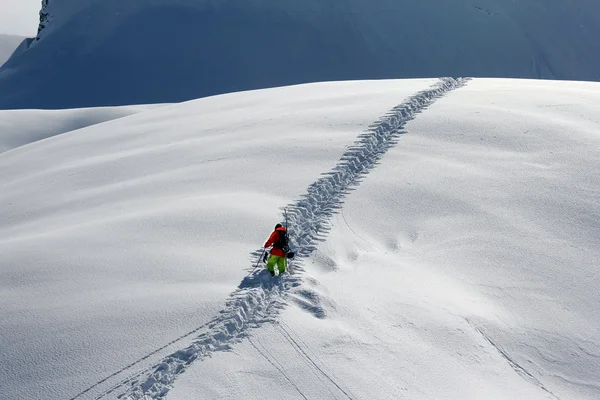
[[105, 53], [8, 45]]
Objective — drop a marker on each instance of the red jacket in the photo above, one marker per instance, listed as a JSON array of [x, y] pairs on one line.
[[274, 238]]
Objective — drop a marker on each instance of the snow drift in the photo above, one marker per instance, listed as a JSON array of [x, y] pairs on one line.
[[21, 127], [108, 52], [449, 237]]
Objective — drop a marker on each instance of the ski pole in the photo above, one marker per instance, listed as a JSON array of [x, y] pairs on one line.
[[260, 258], [287, 227]]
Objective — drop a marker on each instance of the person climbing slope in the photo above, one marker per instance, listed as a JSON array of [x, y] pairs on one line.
[[280, 242]]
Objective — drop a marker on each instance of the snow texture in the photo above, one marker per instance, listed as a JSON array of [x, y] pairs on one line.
[[109, 52], [257, 302], [447, 233]]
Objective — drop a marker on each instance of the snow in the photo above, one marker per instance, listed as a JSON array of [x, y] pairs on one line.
[[8, 44], [106, 52], [448, 245], [21, 127]]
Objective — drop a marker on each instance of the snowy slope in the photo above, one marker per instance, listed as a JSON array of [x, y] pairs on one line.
[[108, 52], [457, 260], [21, 127], [8, 44]]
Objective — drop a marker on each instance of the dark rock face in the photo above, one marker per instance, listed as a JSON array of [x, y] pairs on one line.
[[109, 52], [43, 17]]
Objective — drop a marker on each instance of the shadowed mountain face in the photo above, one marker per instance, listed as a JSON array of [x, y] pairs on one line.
[[127, 52], [8, 44]]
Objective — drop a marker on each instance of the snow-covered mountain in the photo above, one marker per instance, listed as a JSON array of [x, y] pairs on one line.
[[115, 52], [447, 231], [8, 44]]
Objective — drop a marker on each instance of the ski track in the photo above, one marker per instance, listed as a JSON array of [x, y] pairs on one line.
[[273, 361], [513, 364], [259, 298], [302, 350]]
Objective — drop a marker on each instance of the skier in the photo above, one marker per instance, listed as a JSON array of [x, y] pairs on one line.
[[279, 241]]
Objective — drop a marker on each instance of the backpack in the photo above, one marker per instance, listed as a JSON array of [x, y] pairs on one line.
[[282, 242]]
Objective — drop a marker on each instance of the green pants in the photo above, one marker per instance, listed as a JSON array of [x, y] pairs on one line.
[[280, 261]]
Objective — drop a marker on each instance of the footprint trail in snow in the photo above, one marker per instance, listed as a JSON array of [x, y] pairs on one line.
[[259, 299]]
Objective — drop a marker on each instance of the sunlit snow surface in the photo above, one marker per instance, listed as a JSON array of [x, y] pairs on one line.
[[464, 264]]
